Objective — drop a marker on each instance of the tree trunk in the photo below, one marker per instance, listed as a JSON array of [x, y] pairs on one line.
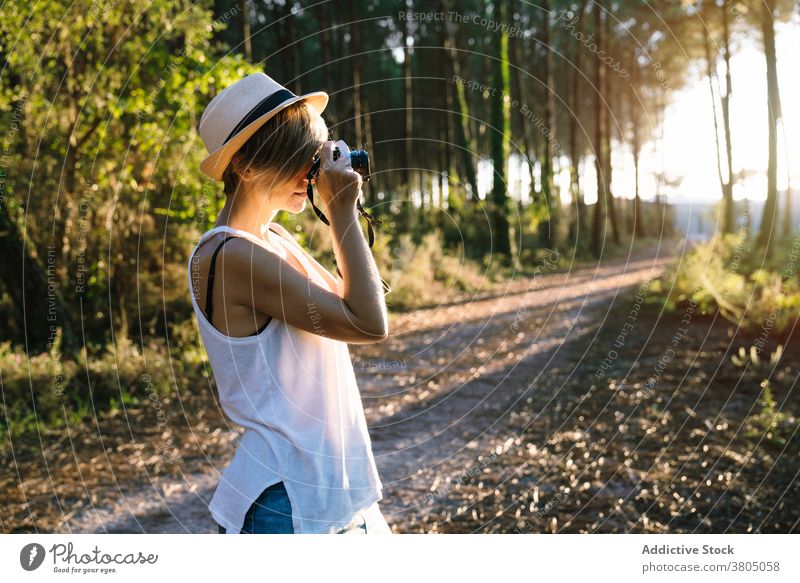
[[407, 206], [548, 230], [445, 127], [608, 193], [500, 114], [574, 154], [638, 219], [356, 62], [519, 84], [727, 190], [726, 183], [766, 236], [291, 48], [361, 116], [598, 221], [636, 146], [464, 140], [450, 125], [376, 182], [244, 7]]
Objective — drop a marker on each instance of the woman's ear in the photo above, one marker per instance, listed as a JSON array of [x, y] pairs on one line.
[[246, 175]]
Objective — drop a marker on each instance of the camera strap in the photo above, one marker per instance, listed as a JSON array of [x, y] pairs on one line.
[[361, 212]]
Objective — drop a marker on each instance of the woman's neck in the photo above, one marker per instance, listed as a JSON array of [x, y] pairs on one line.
[[248, 213]]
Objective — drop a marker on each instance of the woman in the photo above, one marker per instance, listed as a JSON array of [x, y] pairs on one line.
[[276, 324]]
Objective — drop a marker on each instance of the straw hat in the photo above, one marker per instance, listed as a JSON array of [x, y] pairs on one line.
[[235, 114]]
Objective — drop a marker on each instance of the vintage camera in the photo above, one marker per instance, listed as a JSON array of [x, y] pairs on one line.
[[359, 160]]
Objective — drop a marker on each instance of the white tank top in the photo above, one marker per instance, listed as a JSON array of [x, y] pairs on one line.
[[296, 396]]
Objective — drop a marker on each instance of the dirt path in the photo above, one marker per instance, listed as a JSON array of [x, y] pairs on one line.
[[437, 394]]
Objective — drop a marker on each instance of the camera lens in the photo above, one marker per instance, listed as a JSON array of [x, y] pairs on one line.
[[359, 160]]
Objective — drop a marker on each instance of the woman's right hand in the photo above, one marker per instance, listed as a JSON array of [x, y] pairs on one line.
[[339, 186]]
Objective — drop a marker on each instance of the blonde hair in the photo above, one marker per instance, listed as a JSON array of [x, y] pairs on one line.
[[285, 145]]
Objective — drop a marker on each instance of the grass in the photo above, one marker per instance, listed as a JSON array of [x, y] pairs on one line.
[[770, 423], [42, 394]]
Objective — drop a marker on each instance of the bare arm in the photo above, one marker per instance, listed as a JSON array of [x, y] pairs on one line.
[[339, 188], [281, 291], [259, 278], [363, 291]]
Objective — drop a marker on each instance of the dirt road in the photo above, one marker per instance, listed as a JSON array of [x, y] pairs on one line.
[[437, 394]]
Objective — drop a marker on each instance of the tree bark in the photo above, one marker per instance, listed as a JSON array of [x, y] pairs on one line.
[[608, 193], [548, 230], [598, 220], [464, 140], [356, 62], [244, 7], [574, 154], [445, 127], [519, 84], [291, 48], [500, 114], [407, 205], [766, 236], [727, 190], [726, 183], [636, 145], [638, 219]]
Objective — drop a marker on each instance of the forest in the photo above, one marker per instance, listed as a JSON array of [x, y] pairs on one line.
[[497, 132], [101, 191]]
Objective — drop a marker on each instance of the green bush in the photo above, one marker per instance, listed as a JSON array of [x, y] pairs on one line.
[[422, 274], [725, 274]]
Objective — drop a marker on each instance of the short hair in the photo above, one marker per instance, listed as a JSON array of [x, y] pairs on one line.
[[285, 144]]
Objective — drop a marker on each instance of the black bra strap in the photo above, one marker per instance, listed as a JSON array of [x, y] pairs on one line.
[[210, 288]]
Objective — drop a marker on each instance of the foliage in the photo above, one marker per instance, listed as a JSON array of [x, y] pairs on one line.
[[723, 274], [103, 172], [770, 423], [420, 274], [108, 99]]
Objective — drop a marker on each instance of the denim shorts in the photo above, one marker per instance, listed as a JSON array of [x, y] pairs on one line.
[[271, 513]]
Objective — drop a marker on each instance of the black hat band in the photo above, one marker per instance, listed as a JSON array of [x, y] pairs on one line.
[[263, 107]]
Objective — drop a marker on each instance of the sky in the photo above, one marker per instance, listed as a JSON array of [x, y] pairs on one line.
[[688, 148]]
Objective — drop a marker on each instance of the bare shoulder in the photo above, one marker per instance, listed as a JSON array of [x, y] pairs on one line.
[[243, 255]]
